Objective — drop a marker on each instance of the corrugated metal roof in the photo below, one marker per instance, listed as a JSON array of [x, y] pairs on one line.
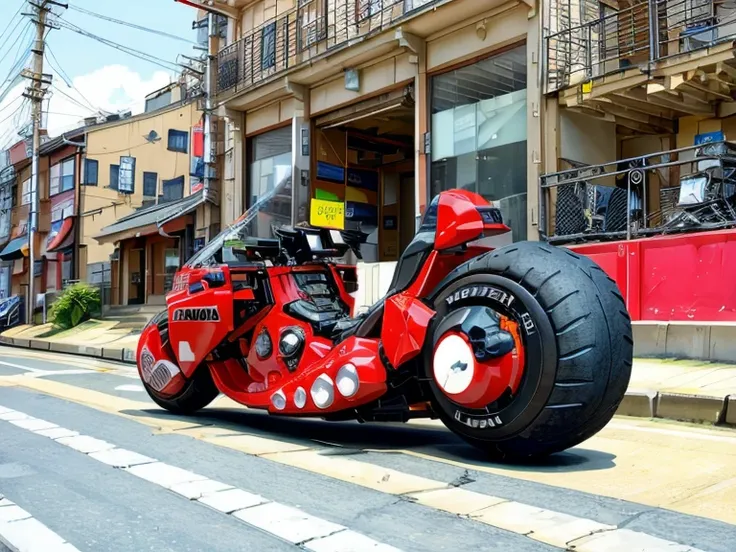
[[157, 214]]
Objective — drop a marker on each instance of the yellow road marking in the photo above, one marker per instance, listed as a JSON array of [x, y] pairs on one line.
[[364, 474], [657, 468]]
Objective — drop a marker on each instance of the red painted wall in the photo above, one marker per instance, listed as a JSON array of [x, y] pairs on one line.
[[688, 277]]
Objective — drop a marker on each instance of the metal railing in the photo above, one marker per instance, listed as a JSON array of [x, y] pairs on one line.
[[636, 36], [311, 29], [614, 201]]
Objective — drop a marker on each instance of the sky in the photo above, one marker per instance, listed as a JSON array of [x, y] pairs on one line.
[[101, 77]]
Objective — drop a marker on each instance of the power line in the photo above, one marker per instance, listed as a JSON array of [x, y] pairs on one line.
[[132, 25], [131, 51], [22, 33], [12, 114], [67, 80], [10, 22], [11, 102], [10, 79], [80, 104]]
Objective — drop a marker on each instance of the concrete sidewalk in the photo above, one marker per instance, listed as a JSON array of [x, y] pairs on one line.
[[685, 390], [95, 338]]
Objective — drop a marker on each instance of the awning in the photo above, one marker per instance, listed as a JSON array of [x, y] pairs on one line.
[[378, 105], [16, 249], [149, 220], [61, 235]]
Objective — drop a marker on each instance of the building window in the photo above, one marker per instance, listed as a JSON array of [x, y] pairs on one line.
[[26, 192], [268, 46], [114, 176], [479, 133], [62, 177], [178, 141], [150, 184], [91, 170], [173, 189], [152, 104], [126, 177], [270, 168]]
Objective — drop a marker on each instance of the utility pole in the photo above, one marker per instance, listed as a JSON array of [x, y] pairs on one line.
[[36, 92]]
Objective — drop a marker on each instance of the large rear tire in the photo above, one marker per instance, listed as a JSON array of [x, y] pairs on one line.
[[577, 343], [199, 391]]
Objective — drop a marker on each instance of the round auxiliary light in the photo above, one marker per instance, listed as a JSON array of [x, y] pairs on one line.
[[300, 397], [278, 400], [291, 341], [264, 347], [347, 381], [323, 391]]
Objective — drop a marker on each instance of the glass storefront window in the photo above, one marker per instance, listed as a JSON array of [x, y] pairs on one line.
[[485, 106], [270, 167]]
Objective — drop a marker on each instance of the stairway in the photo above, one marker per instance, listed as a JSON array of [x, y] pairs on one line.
[[133, 317]]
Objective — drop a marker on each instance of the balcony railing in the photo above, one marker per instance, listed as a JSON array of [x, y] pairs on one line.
[[311, 29], [643, 32], [682, 190]]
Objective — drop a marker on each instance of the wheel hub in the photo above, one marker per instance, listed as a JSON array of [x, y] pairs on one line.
[[479, 359]]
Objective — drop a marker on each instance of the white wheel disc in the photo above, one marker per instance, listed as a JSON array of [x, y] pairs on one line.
[[453, 364]]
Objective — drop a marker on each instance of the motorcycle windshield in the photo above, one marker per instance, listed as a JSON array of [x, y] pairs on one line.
[[271, 209]]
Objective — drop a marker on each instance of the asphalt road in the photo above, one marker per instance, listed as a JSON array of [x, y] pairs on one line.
[[89, 463]]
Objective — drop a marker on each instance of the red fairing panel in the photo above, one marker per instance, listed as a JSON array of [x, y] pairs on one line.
[[405, 321], [458, 220], [156, 366], [359, 352], [199, 322]]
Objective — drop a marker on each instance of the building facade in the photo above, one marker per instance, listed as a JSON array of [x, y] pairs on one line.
[[144, 211], [635, 91], [374, 107], [15, 269]]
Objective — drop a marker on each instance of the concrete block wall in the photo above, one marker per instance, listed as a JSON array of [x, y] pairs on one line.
[[714, 341]]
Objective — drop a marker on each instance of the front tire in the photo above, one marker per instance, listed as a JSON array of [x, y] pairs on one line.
[[577, 342], [195, 394]]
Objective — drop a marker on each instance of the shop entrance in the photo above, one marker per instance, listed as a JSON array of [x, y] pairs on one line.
[[137, 271], [364, 158]]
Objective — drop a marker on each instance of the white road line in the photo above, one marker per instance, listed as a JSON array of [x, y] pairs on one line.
[[21, 532], [285, 522], [21, 367], [312, 533], [40, 372], [131, 388]]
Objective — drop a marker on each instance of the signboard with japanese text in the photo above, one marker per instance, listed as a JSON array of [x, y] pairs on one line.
[[327, 214]]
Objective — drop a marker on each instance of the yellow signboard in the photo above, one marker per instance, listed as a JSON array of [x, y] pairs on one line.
[[587, 87], [327, 214]]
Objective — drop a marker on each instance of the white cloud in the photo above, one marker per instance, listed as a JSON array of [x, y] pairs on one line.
[[111, 88]]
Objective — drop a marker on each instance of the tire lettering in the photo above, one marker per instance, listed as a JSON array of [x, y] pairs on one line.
[[502, 297], [526, 319], [478, 422]]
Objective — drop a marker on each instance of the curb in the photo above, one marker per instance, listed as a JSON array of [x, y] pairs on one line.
[[679, 407], [124, 355], [636, 403]]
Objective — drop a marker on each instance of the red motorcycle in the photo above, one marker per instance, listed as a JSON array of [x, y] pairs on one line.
[[522, 351]]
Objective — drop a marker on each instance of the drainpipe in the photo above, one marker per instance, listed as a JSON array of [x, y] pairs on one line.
[[78, 215]]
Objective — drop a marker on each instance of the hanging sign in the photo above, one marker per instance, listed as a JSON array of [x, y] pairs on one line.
[[327, 214]]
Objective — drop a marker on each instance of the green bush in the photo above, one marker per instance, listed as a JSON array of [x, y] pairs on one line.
[[76, 304]]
